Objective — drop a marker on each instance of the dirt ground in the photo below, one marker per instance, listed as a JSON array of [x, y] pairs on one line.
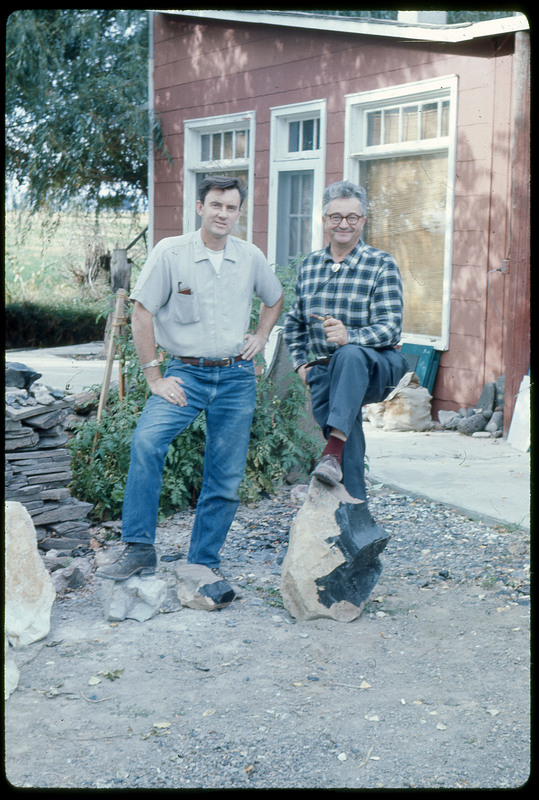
[[428, 688]]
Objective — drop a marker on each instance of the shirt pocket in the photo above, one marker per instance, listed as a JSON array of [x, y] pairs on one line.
[[187, 308]]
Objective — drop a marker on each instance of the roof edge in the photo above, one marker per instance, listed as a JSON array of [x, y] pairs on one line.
[[460, 32]]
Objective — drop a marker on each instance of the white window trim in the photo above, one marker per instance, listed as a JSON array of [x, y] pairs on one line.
[[193, 130], [283, 161], [354, 152]]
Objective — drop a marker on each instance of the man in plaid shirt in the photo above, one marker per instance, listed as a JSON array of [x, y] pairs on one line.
[[347, 317]]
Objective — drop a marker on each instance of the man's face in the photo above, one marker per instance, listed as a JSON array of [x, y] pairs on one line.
[[344, 232], [219, 212]]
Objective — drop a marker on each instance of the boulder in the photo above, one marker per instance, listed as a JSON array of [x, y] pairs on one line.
[[73, 576], [473, 424], [20, 376], [136, 598], [29, 592], [199, 587], [495, 422], [487, 397], [332, 563]]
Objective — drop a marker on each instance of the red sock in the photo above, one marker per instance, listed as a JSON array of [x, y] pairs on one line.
[[334, 447]]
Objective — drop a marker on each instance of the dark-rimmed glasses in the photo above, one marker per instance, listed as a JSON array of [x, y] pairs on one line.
[[351, 219]]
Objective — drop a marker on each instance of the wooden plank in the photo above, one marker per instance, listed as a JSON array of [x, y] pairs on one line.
[[517, 305]]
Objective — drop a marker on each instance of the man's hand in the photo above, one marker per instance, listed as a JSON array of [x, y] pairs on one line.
[[335, 331], [254, 343], [170, 389], [302, 372]]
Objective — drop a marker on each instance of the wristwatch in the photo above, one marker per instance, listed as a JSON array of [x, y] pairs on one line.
[[153, 363]]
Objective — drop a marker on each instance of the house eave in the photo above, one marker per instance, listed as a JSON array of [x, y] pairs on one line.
[[451, 34]]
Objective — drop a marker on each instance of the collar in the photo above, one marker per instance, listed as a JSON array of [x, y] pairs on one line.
[[351, 259], [201, 254]]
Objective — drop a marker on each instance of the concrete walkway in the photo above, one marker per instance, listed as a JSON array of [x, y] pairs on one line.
[[487, 478], [482, 477]]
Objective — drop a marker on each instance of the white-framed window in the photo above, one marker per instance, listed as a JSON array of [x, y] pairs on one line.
[[297, 169], [223, 145], [400, 144]]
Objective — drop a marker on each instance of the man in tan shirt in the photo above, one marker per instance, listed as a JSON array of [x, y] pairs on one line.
[[193, 298]]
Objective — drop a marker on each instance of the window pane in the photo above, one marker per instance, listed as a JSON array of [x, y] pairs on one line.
[[409, 123], [241, 144], [374, 128], [407, 212], [216, 147], [205, 147], [429, 120], [391, 126], [445, 119], [228, 151], [294, 218], [308, 134], [293, 137]]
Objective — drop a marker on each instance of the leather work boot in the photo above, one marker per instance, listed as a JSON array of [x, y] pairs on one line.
[[136, 559], [328, 470]]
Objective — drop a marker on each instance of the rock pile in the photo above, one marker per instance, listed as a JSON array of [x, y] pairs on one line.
[[483, 420], [37, 463]]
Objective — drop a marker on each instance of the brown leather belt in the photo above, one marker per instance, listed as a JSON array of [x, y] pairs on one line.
[[209, 362], [322, 361]]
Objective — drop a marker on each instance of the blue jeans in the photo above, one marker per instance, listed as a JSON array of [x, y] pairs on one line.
[[354, 377], [227, 395]]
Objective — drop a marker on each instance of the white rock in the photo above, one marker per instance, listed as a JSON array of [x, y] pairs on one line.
[[200, 588], [72, 576], [136, 598], [29, 592], [41, 393], [11, 672]]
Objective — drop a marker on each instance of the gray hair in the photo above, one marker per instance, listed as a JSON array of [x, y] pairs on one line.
[[344, 189]]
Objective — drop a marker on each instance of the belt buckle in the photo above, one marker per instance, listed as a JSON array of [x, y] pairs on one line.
[[227, 362]]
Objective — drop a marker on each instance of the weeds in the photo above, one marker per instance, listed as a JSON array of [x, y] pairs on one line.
[[100, 465]]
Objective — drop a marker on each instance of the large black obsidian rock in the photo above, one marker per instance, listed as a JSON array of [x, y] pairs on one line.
[[332, 563]]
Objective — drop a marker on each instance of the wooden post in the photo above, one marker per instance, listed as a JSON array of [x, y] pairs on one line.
[[118, 321], [517, 291], [120, 271]]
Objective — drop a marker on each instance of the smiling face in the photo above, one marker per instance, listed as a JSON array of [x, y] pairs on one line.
[[219, 213], [344, 234]]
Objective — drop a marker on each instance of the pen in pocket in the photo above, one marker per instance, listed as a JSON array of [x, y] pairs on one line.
[[186, 290]]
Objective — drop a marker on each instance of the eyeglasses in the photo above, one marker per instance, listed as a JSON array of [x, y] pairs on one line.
[[351, 219]]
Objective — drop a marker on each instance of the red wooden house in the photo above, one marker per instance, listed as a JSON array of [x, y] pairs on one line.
[[432, 119]]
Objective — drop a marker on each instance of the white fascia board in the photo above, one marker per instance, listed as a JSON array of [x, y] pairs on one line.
[[460, 32]]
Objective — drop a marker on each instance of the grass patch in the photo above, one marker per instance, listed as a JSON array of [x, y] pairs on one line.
[[48, 302]]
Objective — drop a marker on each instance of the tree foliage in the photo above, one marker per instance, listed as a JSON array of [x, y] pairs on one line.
[[77, 129]]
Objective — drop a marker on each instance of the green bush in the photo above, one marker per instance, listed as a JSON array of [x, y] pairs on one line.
[[100, 463], [30, 324]]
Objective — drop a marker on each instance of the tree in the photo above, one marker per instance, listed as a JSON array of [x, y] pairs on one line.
[[77, 126]]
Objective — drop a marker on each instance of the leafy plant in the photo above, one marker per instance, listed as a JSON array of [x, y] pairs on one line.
[[100, 454]]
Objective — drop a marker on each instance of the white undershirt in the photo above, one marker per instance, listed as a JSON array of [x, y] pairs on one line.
[[216, 258]]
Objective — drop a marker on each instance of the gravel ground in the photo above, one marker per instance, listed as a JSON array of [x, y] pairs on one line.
[[428, 688]]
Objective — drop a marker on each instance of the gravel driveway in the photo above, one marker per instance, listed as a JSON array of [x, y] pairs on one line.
[[428, 688]]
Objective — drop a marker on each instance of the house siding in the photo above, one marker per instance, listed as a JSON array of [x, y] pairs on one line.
[[208, 68]]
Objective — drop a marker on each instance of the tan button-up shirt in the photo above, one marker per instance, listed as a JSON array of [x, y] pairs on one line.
[[198, 312]]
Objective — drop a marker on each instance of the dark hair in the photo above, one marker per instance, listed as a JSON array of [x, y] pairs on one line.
[[222, 182]]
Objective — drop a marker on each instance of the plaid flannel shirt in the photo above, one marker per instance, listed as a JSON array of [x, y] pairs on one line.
[[365, 293]]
